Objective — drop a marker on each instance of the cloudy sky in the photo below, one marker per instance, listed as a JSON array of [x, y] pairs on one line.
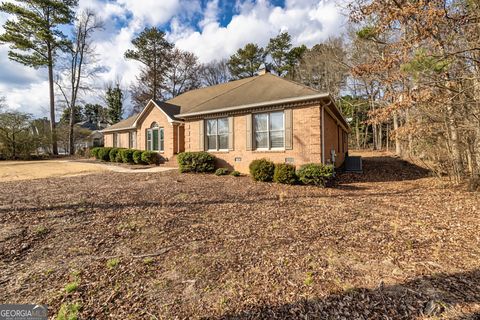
[[212, 29]]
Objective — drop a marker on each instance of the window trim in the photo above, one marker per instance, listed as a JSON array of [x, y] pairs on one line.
[[115, 140], [161, 138], [132, 139], [217, 139], [269, 148]]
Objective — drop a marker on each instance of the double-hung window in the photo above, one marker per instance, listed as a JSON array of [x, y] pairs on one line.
[[217, 134], [115, 140], [269, 130], [155, 138], [132, 139]]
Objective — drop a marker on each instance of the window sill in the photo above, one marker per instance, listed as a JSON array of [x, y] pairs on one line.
[[218, 151], [269, 151]]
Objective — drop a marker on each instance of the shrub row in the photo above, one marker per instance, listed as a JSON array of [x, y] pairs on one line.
[[309, 174], [196, 162], [125, 155]]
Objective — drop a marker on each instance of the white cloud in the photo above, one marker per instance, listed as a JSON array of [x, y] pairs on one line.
[[308, 21]]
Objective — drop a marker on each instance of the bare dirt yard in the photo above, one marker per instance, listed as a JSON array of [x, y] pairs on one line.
[[29, 170], [392, 243]]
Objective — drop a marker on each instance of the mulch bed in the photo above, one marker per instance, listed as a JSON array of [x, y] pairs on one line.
[[390, 244]]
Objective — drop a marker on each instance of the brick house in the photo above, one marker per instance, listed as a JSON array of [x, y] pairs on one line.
[[264, 116]]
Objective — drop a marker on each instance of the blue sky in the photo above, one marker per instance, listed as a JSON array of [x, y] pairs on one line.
[[212, 29]]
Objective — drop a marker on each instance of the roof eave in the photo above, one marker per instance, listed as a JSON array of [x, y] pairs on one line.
[[117, 129]]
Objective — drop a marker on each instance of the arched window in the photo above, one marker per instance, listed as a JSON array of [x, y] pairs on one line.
[[155, 138]]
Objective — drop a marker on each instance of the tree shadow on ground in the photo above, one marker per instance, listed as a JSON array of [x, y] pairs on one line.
[[385, 169], [424, 296]]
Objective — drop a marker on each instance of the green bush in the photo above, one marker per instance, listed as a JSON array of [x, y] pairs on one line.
[[221, 172], [104, 154], [118, 157], [127, 155], [262, 170], [150, 157], [196, 162], [284, 173], [94, 152], [113, 154], [137, 157], [316, 174], [235, 173]]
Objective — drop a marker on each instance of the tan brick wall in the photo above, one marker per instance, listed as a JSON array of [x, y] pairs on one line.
[[334, 140], [156, 115], [306, 141], [108, 139]]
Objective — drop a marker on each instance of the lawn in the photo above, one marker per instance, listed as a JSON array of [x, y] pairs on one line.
[[392, 243]]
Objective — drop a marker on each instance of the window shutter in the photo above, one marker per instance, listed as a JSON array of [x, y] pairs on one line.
[[201, 139], [230, 134], [288, 129], [249, 131]]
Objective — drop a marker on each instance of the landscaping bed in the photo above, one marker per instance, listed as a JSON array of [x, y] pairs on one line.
[[392, 243]]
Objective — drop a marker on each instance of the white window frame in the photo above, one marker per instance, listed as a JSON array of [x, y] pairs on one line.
[[217, 139], [132, 139], [115, 140], [161, 138], [268, 131]]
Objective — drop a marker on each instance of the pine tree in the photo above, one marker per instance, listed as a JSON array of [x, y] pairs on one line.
[[246, 61], [154, 52], [114, 100], [35, 37]]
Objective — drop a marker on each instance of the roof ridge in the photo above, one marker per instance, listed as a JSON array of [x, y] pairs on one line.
[[225, 92]]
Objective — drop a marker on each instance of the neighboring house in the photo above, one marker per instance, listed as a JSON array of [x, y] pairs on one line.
[[264, 116], [95, 136]]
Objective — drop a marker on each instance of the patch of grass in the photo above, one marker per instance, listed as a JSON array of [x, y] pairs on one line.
[[308, 279], [49, 271], [113, 263], [41, 230], [71, 287], [148, 260], [68, 311]]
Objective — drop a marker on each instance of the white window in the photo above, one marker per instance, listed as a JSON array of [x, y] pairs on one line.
[[269, 130], [217, 134], [115, 140], [155, 138], [132, 140]]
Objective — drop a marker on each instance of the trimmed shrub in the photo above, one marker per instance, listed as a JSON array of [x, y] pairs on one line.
[[94, 152], [104, 154], [262, 170], [196, 162], [284, 173], [118, 157], [315, 174], [235, 173], [127, 155], [150, 157], [113, 154], [137, 157], [221, 172]]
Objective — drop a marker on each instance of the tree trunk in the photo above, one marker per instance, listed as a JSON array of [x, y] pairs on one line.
[[455, 144], [380, 137], [52, 102], [398, 148], [71, 145]]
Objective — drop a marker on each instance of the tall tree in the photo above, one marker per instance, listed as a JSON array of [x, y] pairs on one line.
[[79, 59], [94, 113], [214, 72], [153, 51], [2, 103], [114, 101], [246, 61], [183, 74], [323, 67], [35, 36], [284, 57], [15, 137]]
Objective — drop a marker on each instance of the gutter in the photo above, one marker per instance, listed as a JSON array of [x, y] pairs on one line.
[[255, 105], [117, 129]]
